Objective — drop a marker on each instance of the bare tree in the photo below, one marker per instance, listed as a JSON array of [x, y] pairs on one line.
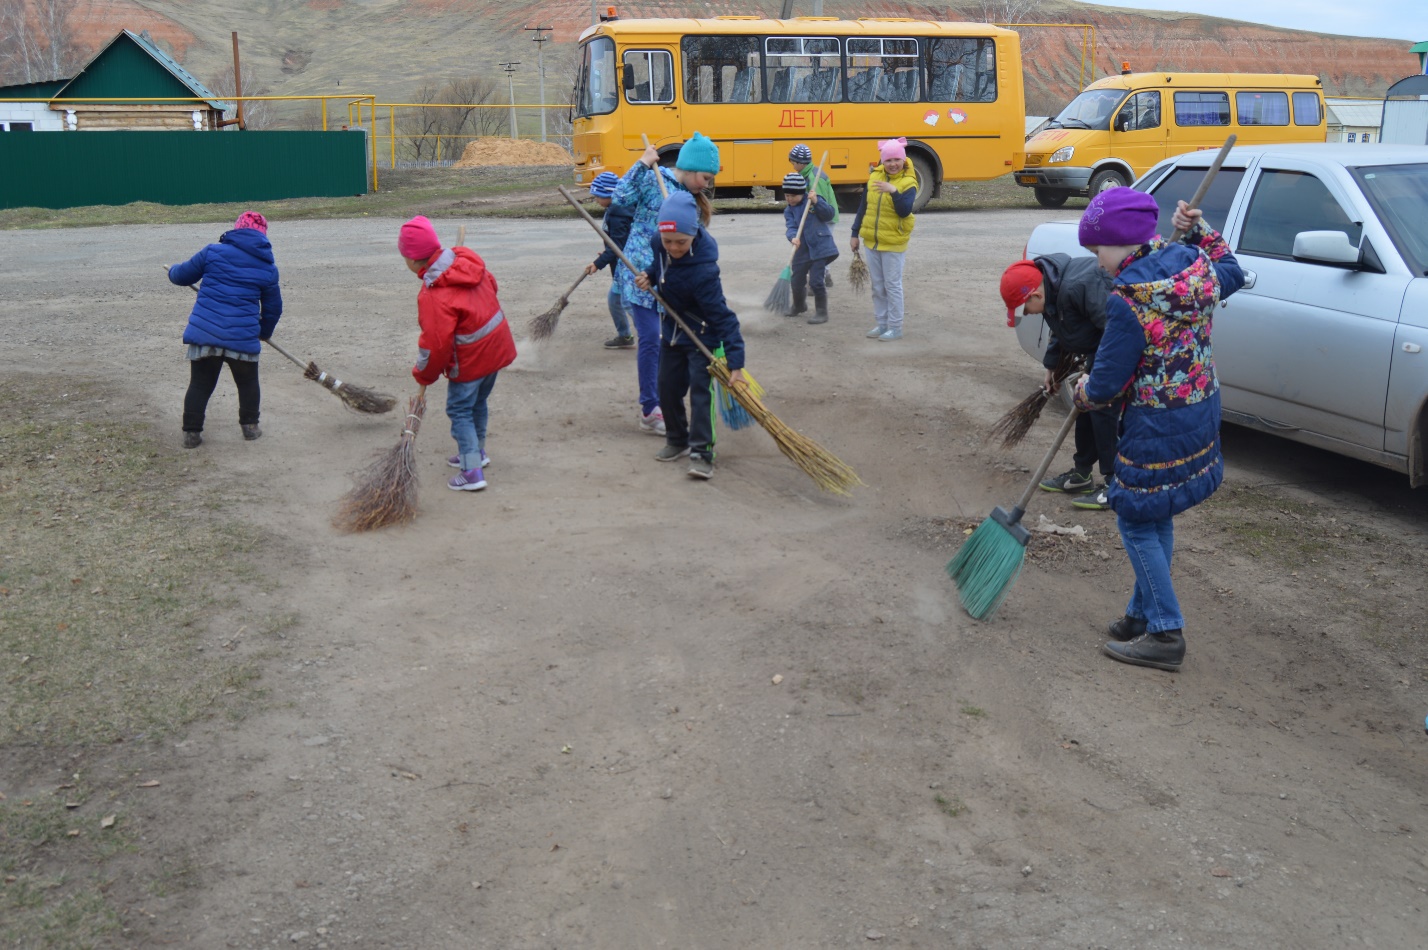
[[37, 40], [418, 125], [256, 115], [463, 117], [1008, 11]]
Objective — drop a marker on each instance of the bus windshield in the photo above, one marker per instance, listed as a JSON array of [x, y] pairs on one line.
[[599, 79], [1092, 109]]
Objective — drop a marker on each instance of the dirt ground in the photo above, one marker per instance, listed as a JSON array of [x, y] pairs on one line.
[[543, 716]]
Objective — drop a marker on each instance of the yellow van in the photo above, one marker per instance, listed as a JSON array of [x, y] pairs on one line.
[[1112, 133]]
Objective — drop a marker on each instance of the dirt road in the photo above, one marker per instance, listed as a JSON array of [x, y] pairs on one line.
[[543, 715]]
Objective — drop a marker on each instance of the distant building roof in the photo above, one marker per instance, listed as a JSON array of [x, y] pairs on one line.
[[1034, 122], [38, 91], [1354, 112], [1419, 47], [107, 69]]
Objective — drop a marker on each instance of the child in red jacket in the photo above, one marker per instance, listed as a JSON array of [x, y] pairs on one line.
[[464, 336]]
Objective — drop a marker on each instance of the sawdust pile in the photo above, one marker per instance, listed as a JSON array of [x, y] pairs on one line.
[[494, 150]]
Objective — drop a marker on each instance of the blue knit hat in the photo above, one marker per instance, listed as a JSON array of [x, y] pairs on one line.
[[604, 185], [801, 153], [794, 184], [699, 154], [679, 214]]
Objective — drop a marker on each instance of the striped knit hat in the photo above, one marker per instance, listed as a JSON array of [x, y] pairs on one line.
[[794, 184], [801, 153], [604, 185]]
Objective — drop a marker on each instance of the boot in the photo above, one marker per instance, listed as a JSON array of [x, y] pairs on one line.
[[1161, 651], [251, 430], [820, 307], [1126, 628], [800, 302]]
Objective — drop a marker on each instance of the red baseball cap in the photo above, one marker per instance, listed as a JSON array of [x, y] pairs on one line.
[[1019, 282]]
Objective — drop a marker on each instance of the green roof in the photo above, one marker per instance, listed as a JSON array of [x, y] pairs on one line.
[[37, 91], [1419, 47], [132, 66]]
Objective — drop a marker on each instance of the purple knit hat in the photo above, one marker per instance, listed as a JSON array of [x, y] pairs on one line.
[[1119, 216]]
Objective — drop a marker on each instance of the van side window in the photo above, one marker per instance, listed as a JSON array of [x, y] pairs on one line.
[[1180, 185], [1202, 108], [804, 68], [1141, 111], [653, 73], [721, 68], [1262, 108], [1306, 109], [1286, 203]]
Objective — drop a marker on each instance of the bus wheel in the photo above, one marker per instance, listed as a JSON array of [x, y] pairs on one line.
[[926, 181], [849, 197], [1050, 198], [1109, 178]]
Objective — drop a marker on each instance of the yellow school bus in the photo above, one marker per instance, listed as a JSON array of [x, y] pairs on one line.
[[758, 87], [1118, 127]]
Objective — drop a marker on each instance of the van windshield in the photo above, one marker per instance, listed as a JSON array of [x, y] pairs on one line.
[[1399, 193], [1092, 109]]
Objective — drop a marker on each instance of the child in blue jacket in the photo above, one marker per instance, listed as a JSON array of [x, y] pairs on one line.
[[238, 305], [616, 223], [813, 251], [685, 272]]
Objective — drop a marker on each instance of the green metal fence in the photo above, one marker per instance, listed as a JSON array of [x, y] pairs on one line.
[[71, 169]]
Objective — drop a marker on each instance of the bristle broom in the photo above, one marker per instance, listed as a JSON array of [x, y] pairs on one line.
[[385, 493], [985, 567], [731, 413], [781, 297]]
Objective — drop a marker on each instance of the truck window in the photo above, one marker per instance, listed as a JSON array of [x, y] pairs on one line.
[[1262, 108], [1202, 108], [1286, 203], [721, 69], [1306, 109], [1180, 185]]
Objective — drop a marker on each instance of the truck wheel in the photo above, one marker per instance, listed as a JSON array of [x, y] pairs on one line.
[[1049, 198], [926, 181], [1109, 178]]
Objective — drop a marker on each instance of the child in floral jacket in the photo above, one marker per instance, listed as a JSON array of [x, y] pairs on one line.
[[1156, 351]]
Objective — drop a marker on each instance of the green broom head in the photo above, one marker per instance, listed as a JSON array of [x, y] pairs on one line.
[[989, 562], [731, 413], [781, 297]]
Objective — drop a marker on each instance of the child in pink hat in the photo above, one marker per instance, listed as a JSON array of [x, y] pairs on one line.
[[883, 226]]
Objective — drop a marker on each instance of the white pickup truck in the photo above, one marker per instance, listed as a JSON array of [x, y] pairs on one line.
[[1327, 343]]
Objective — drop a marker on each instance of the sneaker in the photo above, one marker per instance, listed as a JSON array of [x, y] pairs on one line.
[[890, 334], [192, 440], [454, 461], [469, 480], [671, 453], [1160, 651], [620, 343], [875, 333], [1072, 482], [251, 431], [1096, 502], [653, 422], [701, 466], [1126, 628]]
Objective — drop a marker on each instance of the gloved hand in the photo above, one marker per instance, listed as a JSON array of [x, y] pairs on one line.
[[1079, 397]]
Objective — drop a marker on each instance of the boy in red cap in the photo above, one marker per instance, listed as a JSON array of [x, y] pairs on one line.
[[1070, 295], [464, 336]]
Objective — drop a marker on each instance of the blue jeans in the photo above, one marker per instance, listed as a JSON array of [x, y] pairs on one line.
[[647, 357], [617, 310], [1150, 545], [467, 410]]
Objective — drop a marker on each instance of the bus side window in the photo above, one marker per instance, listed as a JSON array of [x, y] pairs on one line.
[[882, 69], [721, 68], [961, 69], [803, 68]]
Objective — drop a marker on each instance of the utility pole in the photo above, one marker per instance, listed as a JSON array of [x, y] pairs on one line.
[[540, 39], [510, 68]]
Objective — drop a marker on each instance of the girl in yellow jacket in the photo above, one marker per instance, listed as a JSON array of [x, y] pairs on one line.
[[883, 225]]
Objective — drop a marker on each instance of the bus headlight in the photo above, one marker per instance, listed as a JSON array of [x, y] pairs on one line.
[[1062, 154]]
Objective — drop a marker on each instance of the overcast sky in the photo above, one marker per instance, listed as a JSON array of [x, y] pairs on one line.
[[1396, 19]]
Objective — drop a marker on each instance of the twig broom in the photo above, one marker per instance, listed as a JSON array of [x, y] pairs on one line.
[[827, 471], [1013, 427], [541, 327], [858, 271], [991, 558], [781, 296], [385, 493]]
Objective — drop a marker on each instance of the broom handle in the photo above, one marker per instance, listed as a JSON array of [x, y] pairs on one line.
[[663, 191], [1210, 173], [566, 296], [1046, 463], [609, 242], [286, 353], [807, 203]]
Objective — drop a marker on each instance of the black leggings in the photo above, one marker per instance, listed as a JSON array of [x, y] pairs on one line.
[[203, 379]]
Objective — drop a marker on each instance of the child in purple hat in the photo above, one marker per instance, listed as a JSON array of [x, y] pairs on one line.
[[1155, 354]]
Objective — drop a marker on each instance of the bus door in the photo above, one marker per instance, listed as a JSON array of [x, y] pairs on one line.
[[1138, 131], [651, 106]]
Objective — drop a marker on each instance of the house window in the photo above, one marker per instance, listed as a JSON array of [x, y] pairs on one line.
[[1351, 136], [1367, 136]]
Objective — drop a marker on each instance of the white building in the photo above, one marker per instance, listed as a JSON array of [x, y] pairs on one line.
[[1353, 120], [29, 108]]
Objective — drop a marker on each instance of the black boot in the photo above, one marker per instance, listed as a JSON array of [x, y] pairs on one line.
[[800, 302], [1126, 628], [1161, 651], [820, 307]]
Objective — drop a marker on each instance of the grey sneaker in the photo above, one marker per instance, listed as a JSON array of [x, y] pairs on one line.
[[251, 431], [192, 440], [1160, 651], [890, 334], [619, 343], [1072, 482], [875, 332], [701, 466], [671, 453], [1096, 502]]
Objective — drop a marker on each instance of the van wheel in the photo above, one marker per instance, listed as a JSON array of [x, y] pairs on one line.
[[926, 181], [1102, 180], [1049, 198]]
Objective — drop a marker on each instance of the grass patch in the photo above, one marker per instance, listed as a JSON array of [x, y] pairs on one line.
[[112, 567], [951, 807], [976, 712]]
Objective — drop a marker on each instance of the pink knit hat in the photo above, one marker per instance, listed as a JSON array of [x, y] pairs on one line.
[[893, 148], [417, 240], [251, 219]]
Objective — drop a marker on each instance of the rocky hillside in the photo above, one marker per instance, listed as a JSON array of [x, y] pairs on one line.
[[388, 47]]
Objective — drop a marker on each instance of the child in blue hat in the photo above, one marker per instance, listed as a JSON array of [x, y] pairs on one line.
[[616, 223], [813, 251], [685, 272]]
